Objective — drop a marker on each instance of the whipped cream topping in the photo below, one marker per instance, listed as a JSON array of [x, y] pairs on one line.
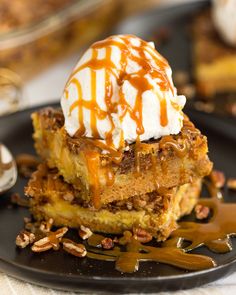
[[121, 91], [224, 16]]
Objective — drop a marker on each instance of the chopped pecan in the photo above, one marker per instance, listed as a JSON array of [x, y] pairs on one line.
[[51, 241], [74, 248], [69, 197], [201, 211], [27, 220], [46, 226], [26, 164], [231, 183], [85, 232], [16, 199], [107, 243], [142, 235], [217, 178], [129, 205], [24, 238]]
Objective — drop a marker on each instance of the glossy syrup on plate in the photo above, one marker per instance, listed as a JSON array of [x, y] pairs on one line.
[[214, 234]]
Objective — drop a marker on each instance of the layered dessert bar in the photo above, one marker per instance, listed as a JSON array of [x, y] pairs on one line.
[[214, 57], [52, 197], [120, 154], [162, 163]]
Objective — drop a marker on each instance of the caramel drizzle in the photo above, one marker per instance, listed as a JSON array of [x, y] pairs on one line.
[[92, 159], [4, 166], [168, 140], [128, 260]]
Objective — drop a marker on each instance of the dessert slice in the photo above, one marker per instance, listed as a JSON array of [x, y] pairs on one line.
[[168, 162], [120, 154], [51, 197], [214, 60]]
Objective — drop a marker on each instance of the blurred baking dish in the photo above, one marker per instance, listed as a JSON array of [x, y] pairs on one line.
[[34, 34]]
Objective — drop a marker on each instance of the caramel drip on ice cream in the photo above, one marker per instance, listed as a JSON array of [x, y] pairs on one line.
[[149, 62]]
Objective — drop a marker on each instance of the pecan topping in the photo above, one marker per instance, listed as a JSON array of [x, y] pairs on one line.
[[26, 164], [16, 199], [231, 183], [69, 197], [201, 211], [51, 241], [217, 178], [24, 238], [85, 232], [73, 248], [107, 243], [46, 226], [142, 235]]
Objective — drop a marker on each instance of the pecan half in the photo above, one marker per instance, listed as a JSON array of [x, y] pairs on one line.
[[231, 183], [49, 242], [107, 243], [217, 178], [85, 232], [24, 238], [201, 211], [74, 248], [142, 235]]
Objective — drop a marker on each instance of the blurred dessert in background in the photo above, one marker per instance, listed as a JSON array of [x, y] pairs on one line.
[[36, 34], [214, 54], [223, 12], [120, 154], [16, 14]]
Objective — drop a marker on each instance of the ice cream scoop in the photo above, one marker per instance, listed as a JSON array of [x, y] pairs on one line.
[[121, 91]]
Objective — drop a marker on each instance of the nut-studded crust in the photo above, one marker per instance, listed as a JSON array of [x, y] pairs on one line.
[[170, 169], [47, 188]]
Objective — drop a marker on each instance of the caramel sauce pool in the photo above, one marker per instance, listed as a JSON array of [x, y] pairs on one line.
[[215, 234]]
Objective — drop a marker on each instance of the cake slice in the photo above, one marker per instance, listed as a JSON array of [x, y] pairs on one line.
[[51, 197], [214, 61], [145, 167]]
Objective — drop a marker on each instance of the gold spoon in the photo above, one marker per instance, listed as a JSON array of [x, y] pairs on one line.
[[8, 170]]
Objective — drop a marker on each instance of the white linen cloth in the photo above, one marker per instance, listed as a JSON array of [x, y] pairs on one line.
[[11, 286]]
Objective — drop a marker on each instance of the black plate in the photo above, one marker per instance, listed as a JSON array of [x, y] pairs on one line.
[[58, 269]]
